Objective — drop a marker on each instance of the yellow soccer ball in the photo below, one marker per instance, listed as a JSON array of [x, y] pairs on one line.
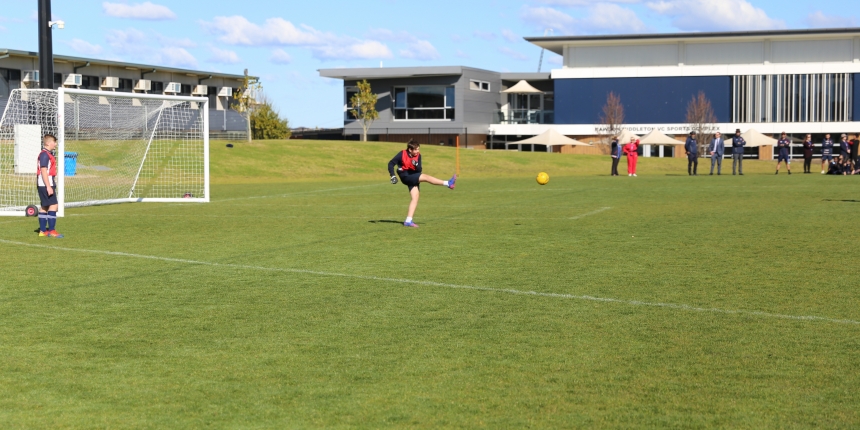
[[542, 178]]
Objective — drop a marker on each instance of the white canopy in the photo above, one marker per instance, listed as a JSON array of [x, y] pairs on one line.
[[656, 137], [522, 87], [624, 137], [754, 138], [552, 138]]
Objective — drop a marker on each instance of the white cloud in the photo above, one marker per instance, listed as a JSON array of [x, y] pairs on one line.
[[510, 36], [2, 28], [279, 56], [84, 47], [705, 15], [461, 54], [356, 50], [420, 50], [457, 38], [128, 41], [176, 57], [223, 56], [600, 18], [145, 10], [182, 43], [819, 20], [582, 3], [513, 54], [486, 35], [237, 30]]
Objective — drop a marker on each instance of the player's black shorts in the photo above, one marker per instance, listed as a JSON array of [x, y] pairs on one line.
[[826, 157], [45, 199], [782, 157], [410, 179]]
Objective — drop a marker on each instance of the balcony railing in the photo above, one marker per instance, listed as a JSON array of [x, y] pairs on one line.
[[523, 116]]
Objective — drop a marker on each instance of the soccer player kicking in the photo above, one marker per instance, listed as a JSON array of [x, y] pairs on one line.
[[408, 164], [46, 173]]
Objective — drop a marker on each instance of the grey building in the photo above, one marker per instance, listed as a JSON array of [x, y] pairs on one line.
[[18, 69], [434, 105]]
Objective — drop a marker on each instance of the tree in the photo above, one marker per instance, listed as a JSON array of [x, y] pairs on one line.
[[700, 116], [244, 99], [612, 118], [364, 107], [266, 121]]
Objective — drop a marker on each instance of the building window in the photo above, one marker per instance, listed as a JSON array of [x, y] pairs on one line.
[[825, 97], [90, 82], [10, 74], [185, 90], [349, 92], [424, 103], [157, 87], [477, 85], [125, 85]]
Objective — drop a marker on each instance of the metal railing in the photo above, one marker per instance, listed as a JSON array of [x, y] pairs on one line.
[[523, 116]]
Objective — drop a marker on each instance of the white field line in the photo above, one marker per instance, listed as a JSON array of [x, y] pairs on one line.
[[682, 307], [590, 213]]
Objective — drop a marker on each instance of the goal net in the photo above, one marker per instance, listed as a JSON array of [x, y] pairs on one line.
[[112, 147]]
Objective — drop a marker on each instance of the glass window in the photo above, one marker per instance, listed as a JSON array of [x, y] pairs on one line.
[[157, 87], [434, 103], [348, 95]]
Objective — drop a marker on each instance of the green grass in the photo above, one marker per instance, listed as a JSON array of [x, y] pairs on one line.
[[284, 303]]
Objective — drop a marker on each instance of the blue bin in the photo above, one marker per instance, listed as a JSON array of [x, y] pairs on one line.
[[71, 163]]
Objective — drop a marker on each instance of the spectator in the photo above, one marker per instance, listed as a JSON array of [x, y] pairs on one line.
[[808, 146], [738, 143], [691, 148], [826, 152], [717, 149]]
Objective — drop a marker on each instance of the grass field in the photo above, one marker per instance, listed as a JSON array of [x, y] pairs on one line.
[[296, 300]]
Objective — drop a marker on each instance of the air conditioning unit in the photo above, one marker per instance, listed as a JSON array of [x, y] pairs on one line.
[[143, 85], [110, 82], [30, 76], [173, 88], [225, 92], [200, 90], [72, 79]]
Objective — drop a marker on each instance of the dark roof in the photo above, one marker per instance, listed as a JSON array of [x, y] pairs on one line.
[[94, 61], [395, 72], [555, 43]]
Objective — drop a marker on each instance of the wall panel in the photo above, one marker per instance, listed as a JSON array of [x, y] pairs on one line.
[[812, 51], [724, 53], [624, 56]]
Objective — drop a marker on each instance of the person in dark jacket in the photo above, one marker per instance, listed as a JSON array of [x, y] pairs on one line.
[[616, 156], [783, 145], [855, 143], [408, 163], [826, 152], [691, 148], [807, 154], [845, 147], [738, 144]]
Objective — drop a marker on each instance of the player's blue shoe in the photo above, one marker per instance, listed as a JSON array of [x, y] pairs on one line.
[[410, 224], [452, 181]]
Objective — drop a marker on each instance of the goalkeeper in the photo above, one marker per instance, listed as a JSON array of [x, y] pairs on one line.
[[46, 174], [408, 164]]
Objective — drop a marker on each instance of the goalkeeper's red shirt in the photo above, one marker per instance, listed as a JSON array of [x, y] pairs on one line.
[[47, 160]]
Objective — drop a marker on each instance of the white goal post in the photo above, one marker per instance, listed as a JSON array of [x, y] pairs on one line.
[[112, 147]]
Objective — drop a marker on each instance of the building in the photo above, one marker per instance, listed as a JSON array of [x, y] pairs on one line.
[[798, 81], [19, 69]]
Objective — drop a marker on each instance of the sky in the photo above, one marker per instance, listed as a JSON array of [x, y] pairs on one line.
[[286, 42]]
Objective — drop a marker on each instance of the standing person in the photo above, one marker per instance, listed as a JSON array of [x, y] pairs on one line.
[[855, 143], [826, 153], [845, 147], [691, 148], [807, 154], [408, 164], [46, 174], [632, 151], [616, 156], [738, 144], [783, 144], [717, 149]]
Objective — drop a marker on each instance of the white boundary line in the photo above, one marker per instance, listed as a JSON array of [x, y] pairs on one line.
[[590, 213], [455, 286]]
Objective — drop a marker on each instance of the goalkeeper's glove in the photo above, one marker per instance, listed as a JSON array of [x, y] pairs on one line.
[[394, 180]]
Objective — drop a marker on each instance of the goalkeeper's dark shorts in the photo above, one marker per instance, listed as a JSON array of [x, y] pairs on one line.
[[411, 180], [45, 199]]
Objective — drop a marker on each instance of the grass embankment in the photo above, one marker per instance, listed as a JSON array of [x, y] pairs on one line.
[[315, 160], [660, 301]]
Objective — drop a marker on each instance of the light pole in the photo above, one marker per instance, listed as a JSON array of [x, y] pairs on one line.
[[46, 44]]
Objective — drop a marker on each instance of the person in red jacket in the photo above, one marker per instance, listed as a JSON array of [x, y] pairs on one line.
[[408, 164], [631, 150]]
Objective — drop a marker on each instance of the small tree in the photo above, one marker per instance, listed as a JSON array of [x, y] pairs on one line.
[[700, 116], [244, 100], [612, 118], [364, 107], [266, 121]]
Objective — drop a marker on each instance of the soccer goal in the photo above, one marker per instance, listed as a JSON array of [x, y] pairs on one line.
[[112, 147]]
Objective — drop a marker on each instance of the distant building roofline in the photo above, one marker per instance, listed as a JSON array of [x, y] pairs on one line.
[[142, 67], [556, 43], [395, 72]]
